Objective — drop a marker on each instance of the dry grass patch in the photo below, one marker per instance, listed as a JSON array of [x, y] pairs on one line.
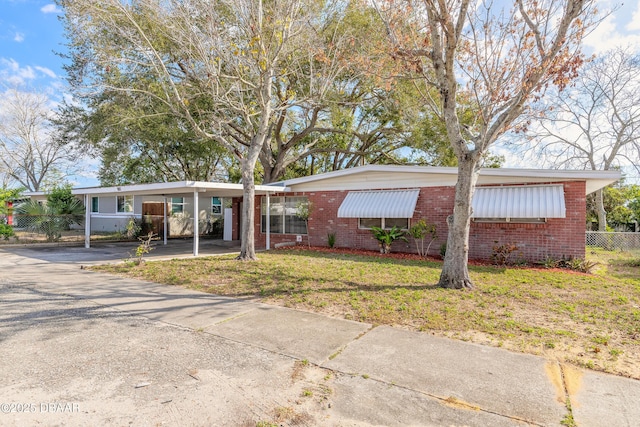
[[590, 320]]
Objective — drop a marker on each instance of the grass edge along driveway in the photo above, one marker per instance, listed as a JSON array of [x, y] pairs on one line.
[[591, 320]]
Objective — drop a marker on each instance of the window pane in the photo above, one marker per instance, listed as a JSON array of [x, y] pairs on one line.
[[125, 203], [216, 209], [528, 220], [177, 205], [276, 224], [216, 206], [95, 207], [397, 222], [276, 209], [295, 225], [514, 220], [274, 202], [370, 222]]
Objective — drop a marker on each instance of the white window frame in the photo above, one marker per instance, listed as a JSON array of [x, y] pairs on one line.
[[278, 205], [220, 205], [124, 204], [510, 220], [97, 199], [177, 204], [383, 224]]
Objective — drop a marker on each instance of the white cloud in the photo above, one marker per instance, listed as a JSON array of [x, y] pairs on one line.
[[14, 74], [50, 8], [19, 37], [46, 71], [612, 32], [634, 24]]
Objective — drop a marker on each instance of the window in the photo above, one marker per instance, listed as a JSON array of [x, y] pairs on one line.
[[95, 204], [125, 204], [367, 223], [177, 205], [216, 206], [283, 218], [513, 220]]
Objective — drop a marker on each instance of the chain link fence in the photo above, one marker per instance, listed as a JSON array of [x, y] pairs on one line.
[[45, 228], [610, 240]]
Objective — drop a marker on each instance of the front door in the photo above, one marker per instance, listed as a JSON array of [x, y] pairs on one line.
[[153, 218]]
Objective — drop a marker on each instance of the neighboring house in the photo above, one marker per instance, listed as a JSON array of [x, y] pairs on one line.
[[542, 212]]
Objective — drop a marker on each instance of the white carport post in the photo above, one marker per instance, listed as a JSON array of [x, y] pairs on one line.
[[87, 221], [268, 222], [164, 219], [196, 226]]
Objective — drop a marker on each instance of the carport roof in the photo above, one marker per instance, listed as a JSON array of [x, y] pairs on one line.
[[221, 189]]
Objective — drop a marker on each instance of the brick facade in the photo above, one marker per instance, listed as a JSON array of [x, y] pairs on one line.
[[556, 238]]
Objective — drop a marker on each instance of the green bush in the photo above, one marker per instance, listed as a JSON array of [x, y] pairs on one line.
[[443, 250], [331, 239], [419, 231], [51, 220], [386, 237], [6, 231]]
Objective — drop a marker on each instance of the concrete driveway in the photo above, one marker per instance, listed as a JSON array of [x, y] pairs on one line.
[[101, 252], [84, 348]]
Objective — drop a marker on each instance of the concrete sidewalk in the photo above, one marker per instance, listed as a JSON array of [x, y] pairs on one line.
[[387, 376]]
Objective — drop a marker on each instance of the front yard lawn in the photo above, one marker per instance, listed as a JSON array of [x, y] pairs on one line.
[[592, 320]]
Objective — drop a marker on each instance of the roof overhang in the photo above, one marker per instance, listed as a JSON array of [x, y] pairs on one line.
[[372, 177], [174, 189]]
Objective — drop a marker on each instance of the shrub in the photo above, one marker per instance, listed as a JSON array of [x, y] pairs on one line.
[[502, 253], [134, 228], [303, 211], [386, 237], [419, 231], [331, 239], [6, 231], [51, 219], [143, 248], [443, 250], [570, 263]]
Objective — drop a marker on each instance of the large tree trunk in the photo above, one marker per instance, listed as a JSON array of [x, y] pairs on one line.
[[247, 246], [602, 213], [455, 274]]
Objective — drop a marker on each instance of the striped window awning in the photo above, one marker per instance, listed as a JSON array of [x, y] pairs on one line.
[[526, 201], [379, 204]]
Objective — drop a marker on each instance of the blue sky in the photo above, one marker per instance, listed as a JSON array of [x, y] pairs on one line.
[[31, 33]]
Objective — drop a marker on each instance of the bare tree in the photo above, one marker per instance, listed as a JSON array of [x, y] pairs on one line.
[[218, 65], [595, 124], [495, 57], [29, 150]]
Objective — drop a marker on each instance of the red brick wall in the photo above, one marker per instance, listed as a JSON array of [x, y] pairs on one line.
[[555, 238]]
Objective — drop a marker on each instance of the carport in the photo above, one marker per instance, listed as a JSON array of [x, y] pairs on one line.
[[195, 189]]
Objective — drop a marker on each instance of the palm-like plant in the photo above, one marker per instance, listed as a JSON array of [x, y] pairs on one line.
[[386, 237], [51, 219]]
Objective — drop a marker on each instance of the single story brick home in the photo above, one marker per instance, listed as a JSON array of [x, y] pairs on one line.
[[542, 212]]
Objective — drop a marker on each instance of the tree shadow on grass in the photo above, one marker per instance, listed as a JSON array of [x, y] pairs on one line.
[[391, 259]]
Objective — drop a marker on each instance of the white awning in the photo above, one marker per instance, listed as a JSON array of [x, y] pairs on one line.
[[379, 204], [525, 201]]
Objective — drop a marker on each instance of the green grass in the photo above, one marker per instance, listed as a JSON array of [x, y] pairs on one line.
[[570, 316]]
